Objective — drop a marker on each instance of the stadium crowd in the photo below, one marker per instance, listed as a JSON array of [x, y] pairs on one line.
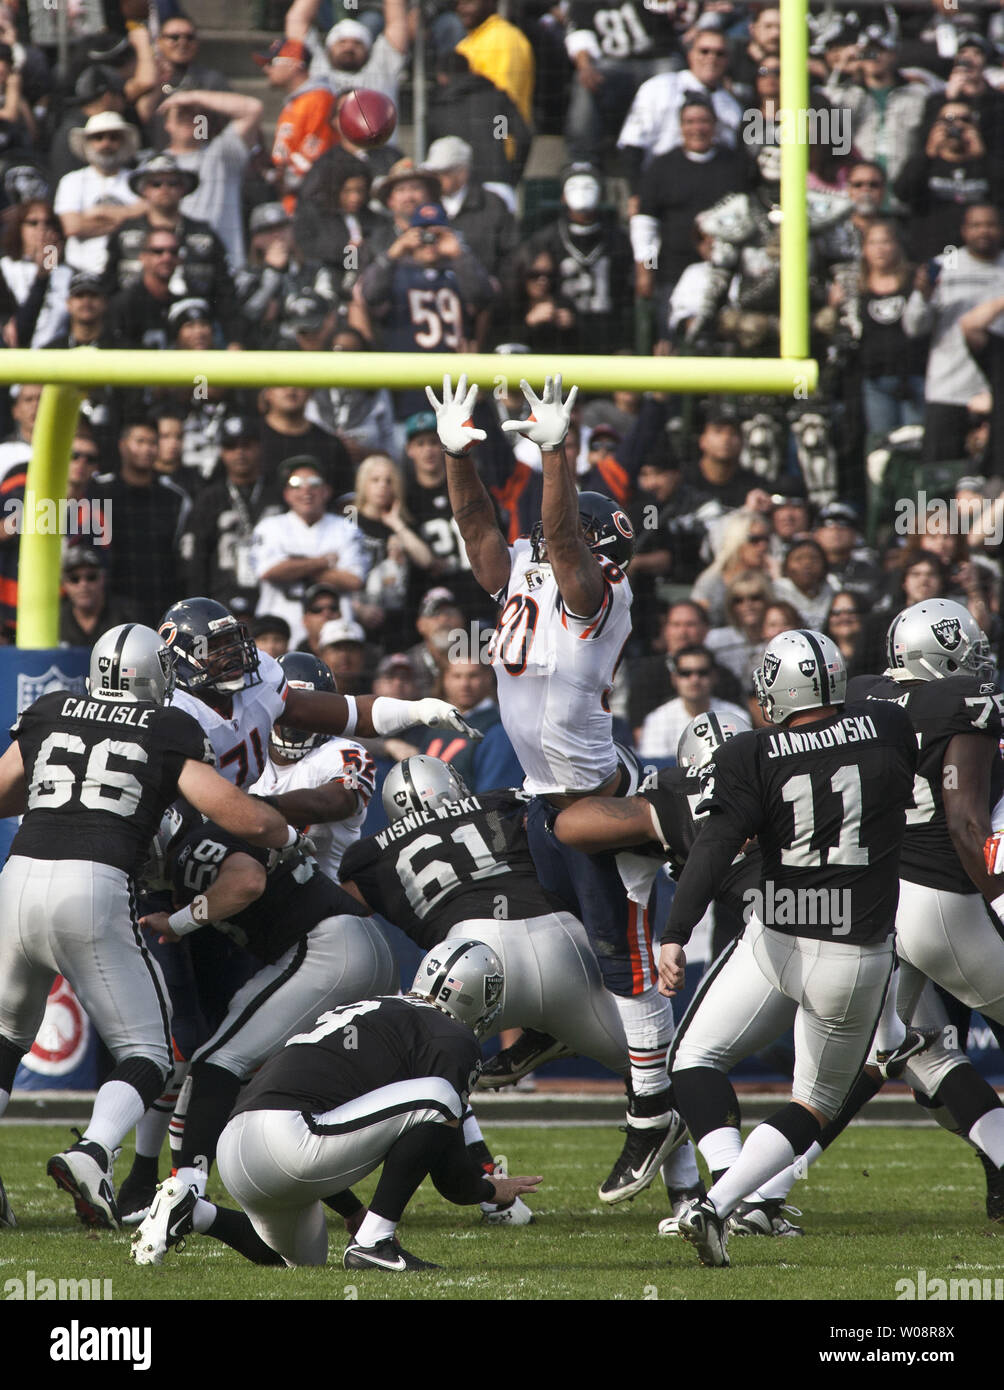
[[145, 206]]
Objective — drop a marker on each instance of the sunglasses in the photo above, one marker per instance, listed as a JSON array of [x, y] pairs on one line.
[[748, 598], [864, 183], [323, 608], [758, 540], [39, 222], [83, 577], [160, 251], [162, 183], [297, 483], [115, 136], [179, 36], [540, 275], [711, 52], [85, 455], [697, 672], [843, 612]]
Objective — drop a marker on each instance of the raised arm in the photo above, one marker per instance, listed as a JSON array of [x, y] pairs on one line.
[[300, 17], [576, 569], [469, 500], [243, 112]]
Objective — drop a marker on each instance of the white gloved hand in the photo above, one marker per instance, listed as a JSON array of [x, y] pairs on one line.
[[548, 421], [440, 714], [453, 416]]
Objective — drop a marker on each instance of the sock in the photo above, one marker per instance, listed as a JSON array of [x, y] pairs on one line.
[[375, 1229], [649, 1029], [890, 1030], [721, 1148], [680, 1169], [649, 1111], [969, 1097], [144, 1170], [193, 1175], [776, 1189], [472, 1130], [706, 1100], [118, 1106], [771, 1147], [10, 1057], [214, 1091], [153, 1127], [988, 1135], [176, 1124], [234, 1228]]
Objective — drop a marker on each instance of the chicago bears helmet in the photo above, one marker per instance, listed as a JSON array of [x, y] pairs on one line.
[[131, 663], [606, 527], [801, 670], [705, 734], [938, 638], [421, 783], [464, 979], [303, 672], [211, 648]]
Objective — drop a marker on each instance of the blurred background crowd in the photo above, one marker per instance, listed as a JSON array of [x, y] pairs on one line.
[[165, 185]]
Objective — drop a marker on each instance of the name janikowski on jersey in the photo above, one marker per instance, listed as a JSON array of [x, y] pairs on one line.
[[799, 907], [399, 828], [855, 728], [76, 1343]]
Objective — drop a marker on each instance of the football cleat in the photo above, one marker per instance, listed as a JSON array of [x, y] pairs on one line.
[[763, 1219], [7, 1217], [704, 1229], [995, 1187], [135, 1199], [167, 1224], [645, 1150], [528, 1052], [386, 1254], [85, 1172], [679, 1199], [892, 1064]]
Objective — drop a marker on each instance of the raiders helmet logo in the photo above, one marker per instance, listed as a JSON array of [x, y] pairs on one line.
[[948, 632], [493, 989], [771, 666]]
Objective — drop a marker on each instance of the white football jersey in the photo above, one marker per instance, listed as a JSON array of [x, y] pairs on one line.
[[240, 742], [554, 673], [337, 760]]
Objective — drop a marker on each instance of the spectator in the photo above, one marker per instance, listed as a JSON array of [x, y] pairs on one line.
[[15, 454], [651, 677], [169, 417], [762, 49], [270, 634], [220, 162], [402, 190], [177, 69], [350, 56], [94, 201], [536, 313], [745, 545], [395, 677], [87, 314], [391, 544], [653, 124], [739, 644], [333, 217], [33, 272], [486, 764], [781, 616], [85, 610], [321, 604], [499, 51], [467, 101], [440, 618], [150, 514], [845, 627], [805, 582], [983, 330], [363, 420], [216, 546], [98, 88], [693, 673], [303, 129], [593, 255], [886, 110], [481, 218], [287, 433], [273, 275], [138, 317], [848, 560], [967, 82], [717, 474], [961, 282], [304, 545], [343, 651]]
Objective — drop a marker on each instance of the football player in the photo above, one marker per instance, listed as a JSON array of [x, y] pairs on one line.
[[564, 620], [93, 776], [382, 1081], [824, 788]]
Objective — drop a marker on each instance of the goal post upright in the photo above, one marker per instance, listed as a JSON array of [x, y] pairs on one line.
[[795, 128]]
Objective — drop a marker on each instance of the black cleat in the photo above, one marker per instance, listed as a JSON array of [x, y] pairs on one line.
[[135, 1198], [528, 1052], [387, 1255], [7, 1217], [892, 1064], [995, 1187], [645, 1151]]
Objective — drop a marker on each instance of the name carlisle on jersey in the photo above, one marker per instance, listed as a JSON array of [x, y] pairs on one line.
[[554, 672], [104, 713], [854, 729]]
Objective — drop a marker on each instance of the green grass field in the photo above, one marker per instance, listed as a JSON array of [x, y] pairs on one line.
[[883, 1204]]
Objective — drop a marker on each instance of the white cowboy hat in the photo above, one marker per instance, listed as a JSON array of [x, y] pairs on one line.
[[101, 124]]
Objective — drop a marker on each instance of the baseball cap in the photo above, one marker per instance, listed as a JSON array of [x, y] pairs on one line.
[[83, 282], [270, 622], [95, 82], [315, 591], [268, 215], [838, 514], [430, 215], [238, 427], [306, 311], [719, 412], [341, 630], [291, 49], [298, 461], [971, 483], [604, 432], [975, 41], [189, 310], [349, 29], [436, 600], [80, 557], [448, 152], [420, 423], [398, 663]]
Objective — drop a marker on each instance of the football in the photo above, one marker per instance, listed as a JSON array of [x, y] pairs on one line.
[[366, 117]]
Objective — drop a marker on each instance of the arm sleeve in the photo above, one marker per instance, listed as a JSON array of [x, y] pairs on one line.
[[709, 860]]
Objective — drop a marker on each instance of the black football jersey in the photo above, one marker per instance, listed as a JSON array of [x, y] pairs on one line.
[[675, 799], [636, 29], [938, 710], [358, 1048], [827, 802], [430, 870], [295, 899], [100, 776]]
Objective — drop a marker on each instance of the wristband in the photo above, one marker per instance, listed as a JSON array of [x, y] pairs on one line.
[[390, 716], [353, 716], [450, 454], [291, 837], [182, 922]]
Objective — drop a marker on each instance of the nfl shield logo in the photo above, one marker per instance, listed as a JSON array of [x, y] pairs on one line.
[[32, 688], [948, 632]]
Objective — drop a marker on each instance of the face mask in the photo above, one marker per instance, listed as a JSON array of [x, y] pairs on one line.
[[581, 193]]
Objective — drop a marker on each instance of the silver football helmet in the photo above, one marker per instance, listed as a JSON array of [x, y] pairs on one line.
[[131, 663], [800, 670], [421, 783], [938, 638], [705, 734], [464, 979]]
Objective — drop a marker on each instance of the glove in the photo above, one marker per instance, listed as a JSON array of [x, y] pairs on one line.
[[439, 714], [547, 424], [301, 848], [993, 852], [453, 417]]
